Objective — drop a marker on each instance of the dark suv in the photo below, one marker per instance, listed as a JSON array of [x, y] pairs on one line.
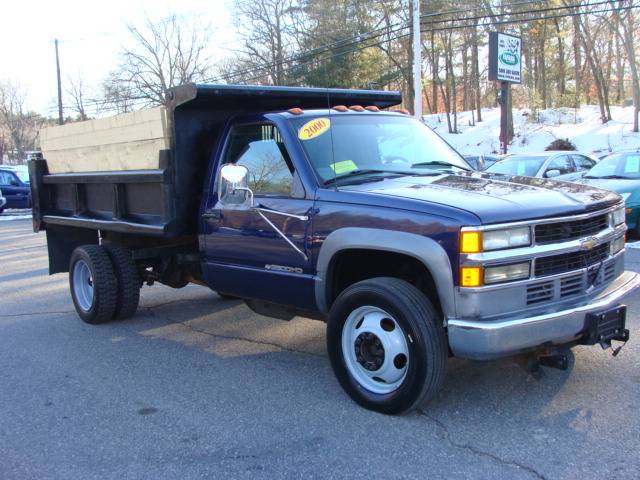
[[15, 188]]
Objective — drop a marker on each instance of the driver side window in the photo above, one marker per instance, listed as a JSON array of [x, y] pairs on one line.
[[562, 164], [260, 148]]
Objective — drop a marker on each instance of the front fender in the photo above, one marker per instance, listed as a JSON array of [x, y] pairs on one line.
[[424, 249]]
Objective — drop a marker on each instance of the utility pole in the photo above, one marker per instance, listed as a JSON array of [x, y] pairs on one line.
[[60, 115], [505, 105], [417, 62]]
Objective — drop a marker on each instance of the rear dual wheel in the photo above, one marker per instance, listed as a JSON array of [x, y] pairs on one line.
[[104, 283], [387, 345]]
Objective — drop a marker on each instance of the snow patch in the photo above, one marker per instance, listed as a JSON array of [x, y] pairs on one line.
[[4, 218], [533, 132]]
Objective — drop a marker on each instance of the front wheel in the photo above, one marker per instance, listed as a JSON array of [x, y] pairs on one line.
[[387, 345]]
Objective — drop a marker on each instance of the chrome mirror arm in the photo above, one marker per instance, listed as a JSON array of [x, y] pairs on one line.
[[260, 210], [279, 232]]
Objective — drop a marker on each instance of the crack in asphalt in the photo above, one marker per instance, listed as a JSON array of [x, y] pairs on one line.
[[476, 451]]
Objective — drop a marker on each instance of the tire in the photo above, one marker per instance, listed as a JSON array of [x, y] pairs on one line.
[[128, 294], [379, 306], [93, 284]]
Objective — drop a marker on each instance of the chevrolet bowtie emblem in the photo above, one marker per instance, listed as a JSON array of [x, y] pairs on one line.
[[588, 243]]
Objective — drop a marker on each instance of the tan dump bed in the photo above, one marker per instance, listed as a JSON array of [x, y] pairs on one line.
[[130, 141]]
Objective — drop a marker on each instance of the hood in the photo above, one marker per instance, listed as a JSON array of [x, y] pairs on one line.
[[496, 198], [629, 189]]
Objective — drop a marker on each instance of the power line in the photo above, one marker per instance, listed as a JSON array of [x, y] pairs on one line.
[[429, 25]]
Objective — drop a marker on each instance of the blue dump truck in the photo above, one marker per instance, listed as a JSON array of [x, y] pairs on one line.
[[325, 204]]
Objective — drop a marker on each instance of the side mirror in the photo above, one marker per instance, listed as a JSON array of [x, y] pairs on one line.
[[233, 187], [552, 173]]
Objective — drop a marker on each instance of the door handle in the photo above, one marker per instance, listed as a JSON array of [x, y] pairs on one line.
[[213, 214]]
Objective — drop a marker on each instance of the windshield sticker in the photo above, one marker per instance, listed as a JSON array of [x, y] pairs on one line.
[[314, 128], [632, 164], [345, 166]]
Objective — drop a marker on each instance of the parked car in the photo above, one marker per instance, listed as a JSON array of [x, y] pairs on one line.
[[15, 186], [561, 165], [481, 162], [3, 202], [620, 173], [363, 218]]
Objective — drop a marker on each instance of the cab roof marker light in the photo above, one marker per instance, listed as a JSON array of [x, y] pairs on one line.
[[372, 108], [295, 111], [340, 108], [403, 111], [357, 108]]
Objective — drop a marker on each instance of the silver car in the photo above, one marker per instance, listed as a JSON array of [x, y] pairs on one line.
[[561, 165]]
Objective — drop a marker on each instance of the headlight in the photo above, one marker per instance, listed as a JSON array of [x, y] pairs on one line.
[[617, 217], [617, 245], [482, 241], [508, 238], [506, 273]]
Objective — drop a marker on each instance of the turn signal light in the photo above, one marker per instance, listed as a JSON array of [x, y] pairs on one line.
[[470, 242], [471, 276]]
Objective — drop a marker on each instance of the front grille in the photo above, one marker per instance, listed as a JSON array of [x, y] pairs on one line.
[[572, 285], [609, 272], [567, 262], [570, 230], [539, 292]]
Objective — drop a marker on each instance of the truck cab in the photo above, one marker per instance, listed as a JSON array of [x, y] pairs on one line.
[[315, 202]]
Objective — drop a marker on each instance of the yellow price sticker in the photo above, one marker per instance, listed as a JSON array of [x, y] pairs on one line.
[[345, 166], [314, 128]]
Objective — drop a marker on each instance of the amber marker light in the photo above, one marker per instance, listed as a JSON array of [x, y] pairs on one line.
[[471, 276], [470, 242]]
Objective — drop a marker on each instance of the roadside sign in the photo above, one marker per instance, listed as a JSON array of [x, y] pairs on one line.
[[505, 58]]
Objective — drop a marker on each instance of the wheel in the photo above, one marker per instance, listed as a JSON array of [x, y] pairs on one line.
[[1, 210], [128, 295], [387, 345], [93, 284]]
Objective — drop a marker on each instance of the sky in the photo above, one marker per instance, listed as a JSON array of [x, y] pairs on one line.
[[90, 34]]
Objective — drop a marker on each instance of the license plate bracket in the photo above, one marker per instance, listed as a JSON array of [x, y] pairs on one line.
[[606, 325]]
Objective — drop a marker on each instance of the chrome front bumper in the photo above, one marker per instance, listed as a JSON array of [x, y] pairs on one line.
[[483, 340]]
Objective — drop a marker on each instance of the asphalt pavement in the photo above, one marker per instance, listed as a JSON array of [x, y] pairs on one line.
[[198, 387]]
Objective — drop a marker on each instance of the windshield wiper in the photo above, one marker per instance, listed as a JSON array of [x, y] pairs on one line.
[[437, 162], [609, 177], [357, 173]]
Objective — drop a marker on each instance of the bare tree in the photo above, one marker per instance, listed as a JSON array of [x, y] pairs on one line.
[[76, 91], [625, 26], [116, 97], [20, 125], [163, 55], [266, 28]]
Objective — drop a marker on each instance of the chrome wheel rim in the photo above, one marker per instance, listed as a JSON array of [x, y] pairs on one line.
[[83, 285], [375, 350]]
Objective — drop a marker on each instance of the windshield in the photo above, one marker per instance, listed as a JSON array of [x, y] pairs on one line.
[[23, 175], [374, 144], [527, 166], [623, 165]]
